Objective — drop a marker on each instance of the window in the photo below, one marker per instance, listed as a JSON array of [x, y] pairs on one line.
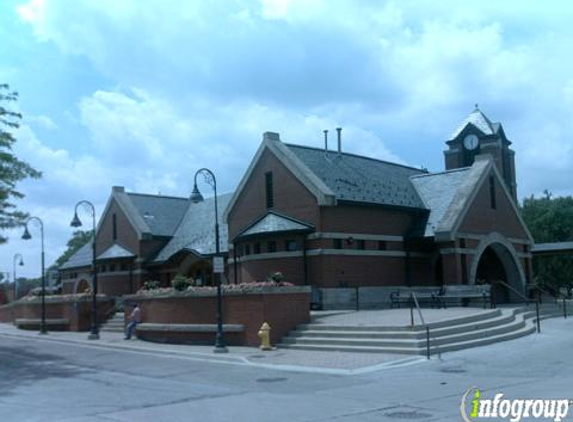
[[492, 193], [462, 243], [257, 248], [114, 223], [382, 246], [123, 267], [111, 268], [360, 244], [337, 243], [290, 245], [271, 246], [269, 189], [247, 249]]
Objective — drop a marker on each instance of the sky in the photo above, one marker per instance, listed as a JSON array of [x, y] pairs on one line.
[[141, 94]]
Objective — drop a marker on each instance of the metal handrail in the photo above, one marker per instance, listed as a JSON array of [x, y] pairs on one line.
[[525, 299], [428, 349], [556, 296]]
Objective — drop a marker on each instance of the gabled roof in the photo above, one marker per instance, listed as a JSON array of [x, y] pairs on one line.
[[273, 222], [333, 177], [361, 179], [479, 121], [448, 207], [438, 191], [162, 214], [115, 251], [151, 215], [196, 231], [81, 258]]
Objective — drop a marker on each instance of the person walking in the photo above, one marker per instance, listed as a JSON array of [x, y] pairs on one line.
[[134, 319]]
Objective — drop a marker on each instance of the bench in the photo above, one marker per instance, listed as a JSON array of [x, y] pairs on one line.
[[464, 292], [187, 333], [52, 324], [405, 296]]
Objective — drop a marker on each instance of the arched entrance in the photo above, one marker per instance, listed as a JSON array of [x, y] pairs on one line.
[[496, 259], [198, 268], [82, 286]]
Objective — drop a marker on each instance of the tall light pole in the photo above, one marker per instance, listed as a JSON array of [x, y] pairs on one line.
[[21, 263], [27, 236], [76, 222], [195, 198]]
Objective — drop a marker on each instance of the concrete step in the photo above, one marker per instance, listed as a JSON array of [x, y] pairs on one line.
[[351, 332], [527, 328], [317, 326], [437, 339], [115, 324]]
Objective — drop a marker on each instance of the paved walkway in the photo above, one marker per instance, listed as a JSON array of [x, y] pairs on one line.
[[343, 363]]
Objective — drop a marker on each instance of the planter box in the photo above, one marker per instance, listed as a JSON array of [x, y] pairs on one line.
[[283, 308], [76, 310]]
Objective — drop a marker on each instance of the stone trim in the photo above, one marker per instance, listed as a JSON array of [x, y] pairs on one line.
[[447, 251], [360, 236], [339, 252], [472, 236]]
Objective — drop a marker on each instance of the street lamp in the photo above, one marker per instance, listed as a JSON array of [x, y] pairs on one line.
[[195, 198], [27, 236], [76, 222], [21, 263]]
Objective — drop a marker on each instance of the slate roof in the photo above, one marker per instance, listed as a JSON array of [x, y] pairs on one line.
[[196, 231], [480, 121], [273, 222], [162, 214], [437, 192], [115, 251], [361, 179], [82, 258], [446, 194]]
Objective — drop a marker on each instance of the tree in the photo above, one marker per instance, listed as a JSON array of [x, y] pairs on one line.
[[12, 170], [79, 239], [551, 220]]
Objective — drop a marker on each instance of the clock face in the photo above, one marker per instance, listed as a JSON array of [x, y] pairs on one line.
[[471, 142]]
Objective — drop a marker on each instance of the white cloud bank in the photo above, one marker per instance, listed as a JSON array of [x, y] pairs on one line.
[[196, 84]]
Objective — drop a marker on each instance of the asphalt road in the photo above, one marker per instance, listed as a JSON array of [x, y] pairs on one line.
[[48, 381]]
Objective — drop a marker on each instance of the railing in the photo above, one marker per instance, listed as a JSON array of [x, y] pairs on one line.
[[524, 298], [557, 296], [414, 301]]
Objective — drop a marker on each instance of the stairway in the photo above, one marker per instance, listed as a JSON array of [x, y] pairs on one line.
[[114, 324], [455, 334]]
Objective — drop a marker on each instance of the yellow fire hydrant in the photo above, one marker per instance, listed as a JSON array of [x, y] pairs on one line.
[[265, 336]]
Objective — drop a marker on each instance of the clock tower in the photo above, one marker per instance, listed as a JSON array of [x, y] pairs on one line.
[[478, 135]]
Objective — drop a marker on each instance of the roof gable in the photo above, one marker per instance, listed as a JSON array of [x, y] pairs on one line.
[[115, 251], [273, 222], [196, 230], [81, 258], [478, 120], [438, 191]]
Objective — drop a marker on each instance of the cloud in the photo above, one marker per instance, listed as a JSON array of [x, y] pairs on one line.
[[192, 84]]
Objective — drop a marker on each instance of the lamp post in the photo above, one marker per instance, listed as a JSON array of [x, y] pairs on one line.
[[27, 236], [21, 263], [76, 222], [195, 198]]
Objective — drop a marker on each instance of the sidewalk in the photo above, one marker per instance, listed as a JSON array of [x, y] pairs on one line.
[[337, 363]]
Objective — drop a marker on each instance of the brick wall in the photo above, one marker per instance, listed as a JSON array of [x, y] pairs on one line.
[[282, 311]]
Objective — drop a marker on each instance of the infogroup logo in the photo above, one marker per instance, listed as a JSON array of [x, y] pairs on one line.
[[474, 407]]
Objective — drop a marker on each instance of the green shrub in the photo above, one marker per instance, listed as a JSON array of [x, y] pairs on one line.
[[181, 283], [277, 277], [151, 285]]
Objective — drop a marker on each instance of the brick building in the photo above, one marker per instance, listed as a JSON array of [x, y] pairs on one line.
[[331, 219]]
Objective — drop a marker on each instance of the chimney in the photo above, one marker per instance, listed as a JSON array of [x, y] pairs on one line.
[[118, 189], [339, 129], [271, 136], [325, 140]]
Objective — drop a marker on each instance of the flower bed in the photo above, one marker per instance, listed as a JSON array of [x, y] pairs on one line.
[[282, 305]]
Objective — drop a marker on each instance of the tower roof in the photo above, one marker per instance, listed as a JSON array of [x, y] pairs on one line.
[[478, 120]]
